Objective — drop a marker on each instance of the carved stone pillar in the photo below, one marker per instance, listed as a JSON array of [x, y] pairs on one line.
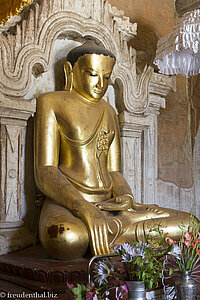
[[139, 153], [150, 147], [13, 119], [139, 141], [131, 145]]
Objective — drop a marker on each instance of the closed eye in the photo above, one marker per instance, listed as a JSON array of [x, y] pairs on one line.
[[93, 75]]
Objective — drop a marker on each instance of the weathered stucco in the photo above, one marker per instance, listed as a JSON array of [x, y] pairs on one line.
[[178, 123], [174, 148], [154, 15]]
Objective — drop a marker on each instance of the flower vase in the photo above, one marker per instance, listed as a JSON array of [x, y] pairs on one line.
[[136, 290], [186, 287]]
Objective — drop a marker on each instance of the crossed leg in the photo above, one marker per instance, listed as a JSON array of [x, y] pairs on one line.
[[62, 235], [65, 236]]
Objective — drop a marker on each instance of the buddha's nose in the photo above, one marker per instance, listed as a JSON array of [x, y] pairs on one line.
[[100, 81]]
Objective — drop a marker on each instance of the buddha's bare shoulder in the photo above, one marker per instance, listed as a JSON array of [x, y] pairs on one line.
[[54, 99], [109, 107]]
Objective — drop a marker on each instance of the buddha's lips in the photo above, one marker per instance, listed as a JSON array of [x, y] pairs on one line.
[[97, 91]]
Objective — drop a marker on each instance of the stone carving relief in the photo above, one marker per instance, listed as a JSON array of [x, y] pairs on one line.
[[30, 43], [13, 116], [28, 50], [12, 158], [131, 151]]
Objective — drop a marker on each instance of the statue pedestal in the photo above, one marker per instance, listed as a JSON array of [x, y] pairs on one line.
[[32, 269]]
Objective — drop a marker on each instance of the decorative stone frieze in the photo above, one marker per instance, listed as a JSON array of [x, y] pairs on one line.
[[30, 43], [161, 84]]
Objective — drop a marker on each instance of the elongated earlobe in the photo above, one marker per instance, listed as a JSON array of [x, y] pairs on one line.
[[68, 76]]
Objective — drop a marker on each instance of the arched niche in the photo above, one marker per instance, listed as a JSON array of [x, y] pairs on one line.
[[32, 50]]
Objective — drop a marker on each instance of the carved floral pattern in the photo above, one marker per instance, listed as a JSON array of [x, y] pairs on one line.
[[30, 43]]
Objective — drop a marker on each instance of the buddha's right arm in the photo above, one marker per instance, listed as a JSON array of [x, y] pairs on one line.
[[54, 184], [49, 179]]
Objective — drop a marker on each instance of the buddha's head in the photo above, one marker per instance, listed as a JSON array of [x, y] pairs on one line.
[[88, 70]]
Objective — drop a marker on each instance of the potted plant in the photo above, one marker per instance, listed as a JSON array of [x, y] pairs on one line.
[[184, 258], [140, 267], [142, 263]]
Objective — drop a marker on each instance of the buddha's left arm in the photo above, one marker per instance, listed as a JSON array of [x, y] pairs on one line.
[[120, 185], [121, 189]]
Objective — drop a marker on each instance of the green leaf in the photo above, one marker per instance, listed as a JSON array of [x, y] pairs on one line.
[[151, 265], [170, 272], [151, 283], [78, 290]]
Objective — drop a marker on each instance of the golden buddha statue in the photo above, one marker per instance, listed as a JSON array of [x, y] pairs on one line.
[[77, 166]]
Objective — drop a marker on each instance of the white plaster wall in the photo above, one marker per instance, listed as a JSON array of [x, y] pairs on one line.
[[170, 195], [46, 81]]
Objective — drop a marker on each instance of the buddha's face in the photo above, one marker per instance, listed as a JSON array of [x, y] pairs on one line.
[[91, 73]]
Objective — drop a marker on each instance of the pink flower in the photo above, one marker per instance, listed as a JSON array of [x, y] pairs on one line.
[[170, 241], [187, 239], [91, 296], [70, 285], [121, 292], [198, 252], [196, 241], [187, 236], [124, 288], [187, 243]]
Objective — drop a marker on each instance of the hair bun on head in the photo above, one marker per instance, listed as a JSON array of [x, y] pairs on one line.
[[87, 48]]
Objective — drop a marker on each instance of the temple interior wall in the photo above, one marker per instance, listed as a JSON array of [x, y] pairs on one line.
[[178, 122]]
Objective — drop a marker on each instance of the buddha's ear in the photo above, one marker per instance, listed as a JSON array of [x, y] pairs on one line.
[[68, 76]]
